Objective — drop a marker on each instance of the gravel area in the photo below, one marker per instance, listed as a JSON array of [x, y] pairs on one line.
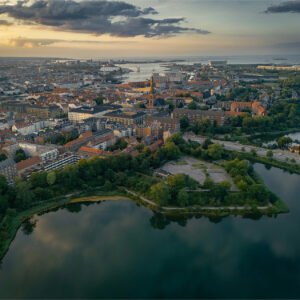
[[198, 169]]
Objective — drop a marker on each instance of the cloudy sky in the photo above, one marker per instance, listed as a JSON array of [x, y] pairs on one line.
[[107, 28]]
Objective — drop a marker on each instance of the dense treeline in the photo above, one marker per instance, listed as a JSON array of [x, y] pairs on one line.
[[107, 173], [282, 116], [293, 82], [115, 172], [244, 94], [135, 173]]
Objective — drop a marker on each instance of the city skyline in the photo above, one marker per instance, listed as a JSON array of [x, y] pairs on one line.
[[95, 29]]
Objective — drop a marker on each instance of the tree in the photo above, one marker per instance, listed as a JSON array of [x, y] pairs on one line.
[[38, 179], [171, 151], [192, 105], [177, 139], [184, 123], [100, 100], [182, 198], [220, 190], [20, 155], [253, 152], [24, 196], [215, 151], [171, 106], [208, 183], [120, 144], [283, 142], [177, 182], [242, 185], [160, 192], [3, 184], [258, 192], [3, 157], [51, 178], [139, 147], [270, 154], [206, 143], [204, 126]]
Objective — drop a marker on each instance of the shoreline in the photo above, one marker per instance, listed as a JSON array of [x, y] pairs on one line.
[[17, 220]]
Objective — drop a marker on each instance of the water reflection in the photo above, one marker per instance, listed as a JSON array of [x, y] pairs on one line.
[[28, 226], [119, 250]]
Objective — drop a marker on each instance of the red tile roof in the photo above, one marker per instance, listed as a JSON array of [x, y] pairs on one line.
[[27, 163]]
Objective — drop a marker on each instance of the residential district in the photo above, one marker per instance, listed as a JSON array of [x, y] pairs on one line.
[[54, 112]]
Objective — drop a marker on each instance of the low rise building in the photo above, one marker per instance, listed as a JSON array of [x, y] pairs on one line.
[[164, 123], [199, 115], [126, 118], [79, 114], [28, 166], [46, 153], [8, 168], [62, 161]]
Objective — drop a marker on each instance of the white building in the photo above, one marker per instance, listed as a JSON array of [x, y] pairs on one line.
[[30, 128], [46, 153]]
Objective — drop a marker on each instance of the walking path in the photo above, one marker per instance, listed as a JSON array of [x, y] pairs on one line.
[[167, 208]]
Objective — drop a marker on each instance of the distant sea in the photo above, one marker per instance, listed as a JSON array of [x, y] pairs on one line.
[[146, 69]]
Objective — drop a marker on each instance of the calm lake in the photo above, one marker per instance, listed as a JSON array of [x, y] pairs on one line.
[[116, 249]]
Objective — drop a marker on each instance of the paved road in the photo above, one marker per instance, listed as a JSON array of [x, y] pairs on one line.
[[280, 155]]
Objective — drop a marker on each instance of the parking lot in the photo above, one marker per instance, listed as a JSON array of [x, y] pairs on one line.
[[198, 170]]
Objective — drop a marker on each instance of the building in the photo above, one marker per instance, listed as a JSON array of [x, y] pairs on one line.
[[142, 130], [89, 152], [28, 166], [279, 68], [217, 63], [8, 168], [254, 107], [103, 140], [165, 123], [199, 115], [44, 112], [76, 144], [26, 129], [151, 98], [126, 118], [78, 115], [46, 153], [62, 161]]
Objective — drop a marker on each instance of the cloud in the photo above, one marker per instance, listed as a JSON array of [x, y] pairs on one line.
[[116, 18], [285, 7], [289, 46], [22, 42], [30, 43]]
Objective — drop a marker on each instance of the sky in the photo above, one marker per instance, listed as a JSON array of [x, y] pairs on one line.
[[148, 28]]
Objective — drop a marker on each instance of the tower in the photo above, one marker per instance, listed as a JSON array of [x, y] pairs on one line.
[[151, 98]]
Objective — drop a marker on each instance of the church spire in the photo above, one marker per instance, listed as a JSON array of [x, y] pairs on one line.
[[151, 94]]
